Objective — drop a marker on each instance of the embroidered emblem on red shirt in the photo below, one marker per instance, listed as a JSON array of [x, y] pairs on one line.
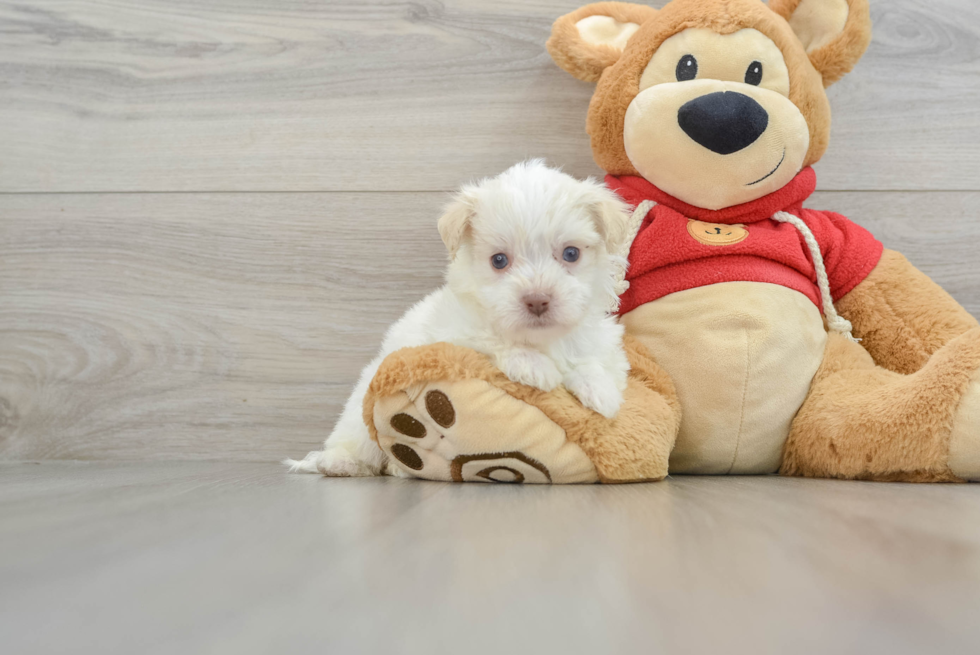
[[712, 234]]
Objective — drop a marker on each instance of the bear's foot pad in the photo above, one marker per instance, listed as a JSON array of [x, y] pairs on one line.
[[472, 431]]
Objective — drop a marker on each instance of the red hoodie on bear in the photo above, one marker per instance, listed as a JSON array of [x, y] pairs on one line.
[[680, 246]]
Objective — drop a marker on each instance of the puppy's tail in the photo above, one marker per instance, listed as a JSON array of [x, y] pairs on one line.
[[307, 465]]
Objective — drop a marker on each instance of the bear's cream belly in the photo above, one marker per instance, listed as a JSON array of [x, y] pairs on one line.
[[742, 356]]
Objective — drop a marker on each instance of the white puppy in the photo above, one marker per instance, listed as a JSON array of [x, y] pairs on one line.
[[535, 260]]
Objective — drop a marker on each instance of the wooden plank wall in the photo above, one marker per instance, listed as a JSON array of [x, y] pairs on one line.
[[209, 212]]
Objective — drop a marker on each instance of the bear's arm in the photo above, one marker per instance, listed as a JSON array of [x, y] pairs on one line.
[[902, 316]]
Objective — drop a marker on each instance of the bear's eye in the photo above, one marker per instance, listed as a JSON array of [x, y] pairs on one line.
[[687, 68], [753, 75], [499, 261], [570, 254]]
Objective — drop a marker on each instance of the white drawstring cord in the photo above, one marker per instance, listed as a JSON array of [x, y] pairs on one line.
[[635, 221], [835, 321]]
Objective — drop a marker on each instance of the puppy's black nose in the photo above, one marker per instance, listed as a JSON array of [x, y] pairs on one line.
[[723, 122], [536, 303]]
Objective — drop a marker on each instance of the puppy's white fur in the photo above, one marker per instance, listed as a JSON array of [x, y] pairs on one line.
[[531, 214]]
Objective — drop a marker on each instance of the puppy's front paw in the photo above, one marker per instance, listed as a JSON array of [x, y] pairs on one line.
[[339, 461], [530, 367], [392, 470], [596, 391]]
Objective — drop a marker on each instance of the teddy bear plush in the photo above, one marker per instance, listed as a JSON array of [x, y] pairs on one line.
[[763, 336]]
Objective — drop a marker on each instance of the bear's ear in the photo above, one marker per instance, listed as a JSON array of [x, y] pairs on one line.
[[835, 33], [589, 40], [456, 217]]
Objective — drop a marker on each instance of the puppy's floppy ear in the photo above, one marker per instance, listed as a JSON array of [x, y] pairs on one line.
[[589, 40], [835, 33], [611, 216], [456, 217]]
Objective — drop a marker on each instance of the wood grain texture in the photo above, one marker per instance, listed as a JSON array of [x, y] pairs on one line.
[[222, 558], [230, 326], [198, 322], [244, 95]]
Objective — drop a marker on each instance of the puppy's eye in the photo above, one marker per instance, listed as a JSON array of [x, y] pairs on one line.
[[499, 261], [753, 75], [570, 254], [687, 68]]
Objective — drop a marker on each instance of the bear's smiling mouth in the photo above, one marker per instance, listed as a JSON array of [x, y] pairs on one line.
[[772, 172]]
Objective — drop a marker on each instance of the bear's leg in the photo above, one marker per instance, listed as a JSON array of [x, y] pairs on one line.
[[443, 412], [862, 421], [901, 316]]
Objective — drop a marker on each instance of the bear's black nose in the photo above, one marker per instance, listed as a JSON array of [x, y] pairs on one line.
[[723, 122]]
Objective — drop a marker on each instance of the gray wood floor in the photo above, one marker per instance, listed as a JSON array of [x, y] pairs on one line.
[[210, 212], [238, 558]]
